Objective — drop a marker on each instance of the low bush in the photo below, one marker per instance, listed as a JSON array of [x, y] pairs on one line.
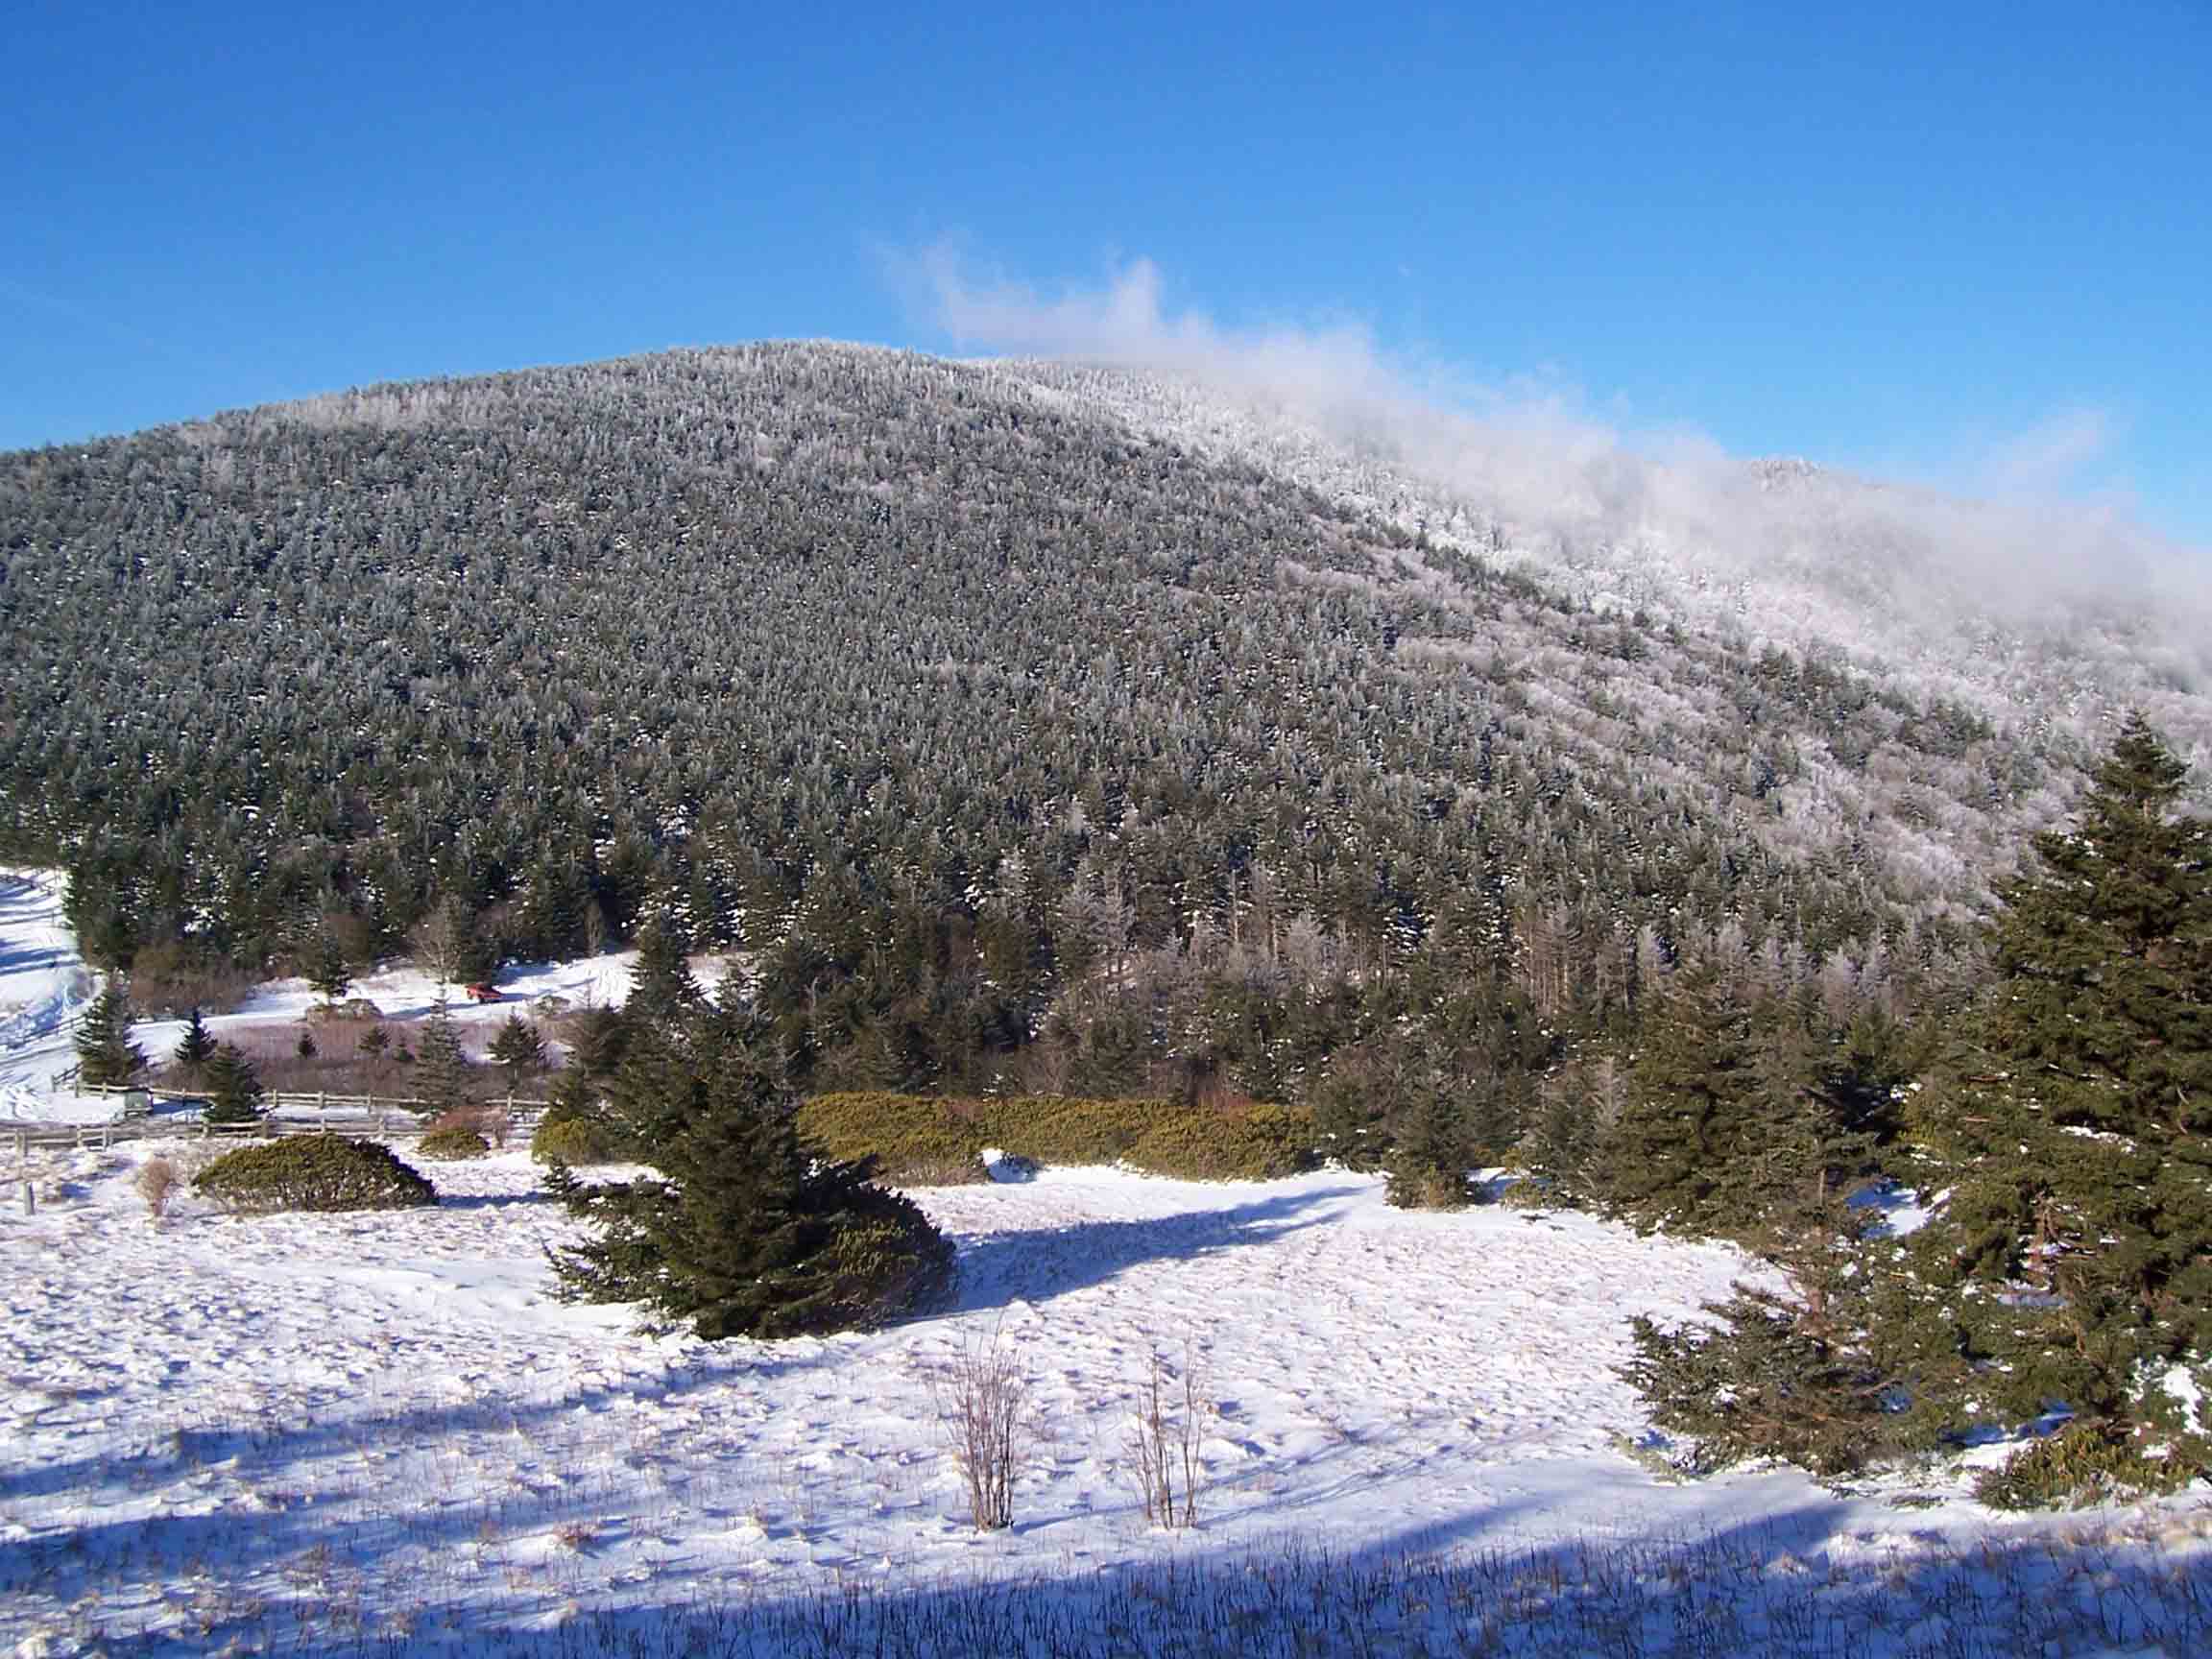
[[906, 1134], [1239, 1144], [2089, 1463], [576, 1142], [313, 1172], [1068, 1129], [917, 1141], [1415, 1186], [453, 1143]]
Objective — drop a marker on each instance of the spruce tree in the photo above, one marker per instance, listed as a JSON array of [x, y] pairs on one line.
[[2072, 1259], [329, 973], [233, 1087], [443, 1077], [661, 989], [517, 1050], [745, 1231], [197, 1046], [1693, 1087], [105, 1055]]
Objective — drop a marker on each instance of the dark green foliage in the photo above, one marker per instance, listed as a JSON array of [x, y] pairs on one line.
[[233, 1087], [922, 1141], [2090, 1463], [1771, 1382], [661, 989], [1728, 1125], [576, 1142], [313, 1172], [104, 1052], [2073, 1257], [327, 971], [375, 1042], [453, 1144], [306, 1047], [745, 1231], [1234, 777], [197, 1047], [517, 1050], [1431, 1165], [596, 1036], [442, 1080]]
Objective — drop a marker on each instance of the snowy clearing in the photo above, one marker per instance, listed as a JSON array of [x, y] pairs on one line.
[[379, 1433], [231, 1414]]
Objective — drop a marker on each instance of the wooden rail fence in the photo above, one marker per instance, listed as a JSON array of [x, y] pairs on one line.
[[358, 1114]]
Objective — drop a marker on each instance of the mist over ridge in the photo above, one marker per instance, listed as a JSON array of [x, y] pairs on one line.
[[2028, 593]]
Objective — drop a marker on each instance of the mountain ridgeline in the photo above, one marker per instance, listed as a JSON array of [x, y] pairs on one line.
[[1005, 738]]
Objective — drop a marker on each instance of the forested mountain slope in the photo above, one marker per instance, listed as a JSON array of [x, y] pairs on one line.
[[968, 699]]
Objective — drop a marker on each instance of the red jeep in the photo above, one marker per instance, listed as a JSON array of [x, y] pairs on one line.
[[482, 992]]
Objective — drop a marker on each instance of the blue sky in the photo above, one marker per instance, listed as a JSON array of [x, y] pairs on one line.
[[1966, 243]]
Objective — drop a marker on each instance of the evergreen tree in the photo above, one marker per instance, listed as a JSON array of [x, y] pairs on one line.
[[233, 1087], [2073, 1257], [746, 1231], [197, 1047], [597, 1036], [329, 973], [105, 1055], [1693, 1087], [443, 1078], [661, 988], [517, 1050]]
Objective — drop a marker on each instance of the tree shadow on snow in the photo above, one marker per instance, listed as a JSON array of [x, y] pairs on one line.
[[1035, 1263]]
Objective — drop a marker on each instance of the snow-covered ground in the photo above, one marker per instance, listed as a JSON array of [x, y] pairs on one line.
[[381, 1432], [44, 985], [214, 1419]]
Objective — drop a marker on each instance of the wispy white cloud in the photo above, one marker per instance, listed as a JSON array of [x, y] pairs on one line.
[[2024, 539]]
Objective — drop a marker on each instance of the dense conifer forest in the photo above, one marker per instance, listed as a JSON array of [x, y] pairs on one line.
[[1006, 740], [1010, 739]]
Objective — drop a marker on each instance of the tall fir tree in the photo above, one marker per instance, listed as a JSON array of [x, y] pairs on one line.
[[197, 1046], [444, 1080], [234, 1093], [329, 973], [2072, 1259], [661, 988], [517, 1050], [745, 1231], [105, 1055]]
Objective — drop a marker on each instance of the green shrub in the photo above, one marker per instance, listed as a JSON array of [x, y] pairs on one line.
[[313, 1172], [450, 1146], [1410, 1184], [576, 1142], [917, 1141], [903, 1133], [1066, 1129], [1239, 1143], [2089, 1463]]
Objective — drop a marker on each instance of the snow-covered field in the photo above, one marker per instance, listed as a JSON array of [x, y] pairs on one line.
[[379, 1433], [217, 1424]]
